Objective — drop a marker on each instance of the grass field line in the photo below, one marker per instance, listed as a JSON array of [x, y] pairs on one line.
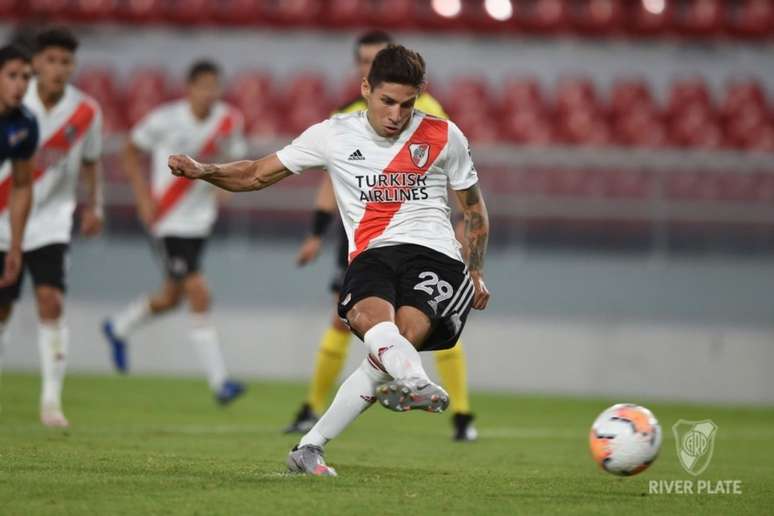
[[198, 429]]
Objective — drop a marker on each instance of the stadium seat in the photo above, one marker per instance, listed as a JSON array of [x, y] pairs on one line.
[[146, 89], [541, 15], [93, 10], [46, 8], [686, 92], [391, 14], [239, 12], [291, 12], [752, 18], [345, 13], [141, 11], [573, 93], [522, 93], [597, 17], [700, 17], [630, 94], [527, 126], [188, 12], [649, 19]]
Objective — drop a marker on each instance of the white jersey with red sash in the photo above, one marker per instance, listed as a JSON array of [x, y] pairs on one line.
[[70, 133], [187, 208], [389, 191]]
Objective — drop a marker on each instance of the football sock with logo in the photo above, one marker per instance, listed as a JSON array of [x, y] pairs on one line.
[[131, 317], [395, 352], [53, 343], [330, 360], [452, 368], [207, 346], [354, 396]]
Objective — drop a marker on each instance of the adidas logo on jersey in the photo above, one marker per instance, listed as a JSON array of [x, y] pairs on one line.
[[356, 156]]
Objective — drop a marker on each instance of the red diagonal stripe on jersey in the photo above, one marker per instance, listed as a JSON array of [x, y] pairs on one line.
[[178, 188], [62, 140], [377, 216]]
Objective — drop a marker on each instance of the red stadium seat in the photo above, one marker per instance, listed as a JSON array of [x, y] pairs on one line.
[[187, 12], [695, 125], [391, 14], [740, 94], [687, 92], [291, 12], [93, 10], [628, 95], [141, 11], [752, 18], [527, 126], [650, 17], [541, 15], [701, 17], [345, 13], [305, 88], [146, 89], [239, 12], [522, 93], [597, 16], [252, 89], [47, 7]]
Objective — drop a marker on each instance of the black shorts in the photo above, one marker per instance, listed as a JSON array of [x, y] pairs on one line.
[[413, 275], [47, 266], [342, 258], [182, 256]]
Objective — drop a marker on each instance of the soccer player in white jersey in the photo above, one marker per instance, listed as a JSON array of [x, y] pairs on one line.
[[70, 145], [180, 213], [406, 288]]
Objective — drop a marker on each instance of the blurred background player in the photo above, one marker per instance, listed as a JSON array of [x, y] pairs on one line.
[[332, 353], [70, 126], [18, 141], [180, 214]]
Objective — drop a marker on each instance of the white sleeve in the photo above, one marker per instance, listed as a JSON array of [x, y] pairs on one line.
[[149, 131], [236, 148], [459, 165], [309, 150], [92, 144]]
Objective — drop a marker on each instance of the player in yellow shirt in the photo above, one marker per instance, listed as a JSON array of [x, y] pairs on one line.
[[334, 344]]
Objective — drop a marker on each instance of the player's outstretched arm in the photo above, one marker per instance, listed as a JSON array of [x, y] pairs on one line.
[[476, 238], [239, 176], [19, 208]]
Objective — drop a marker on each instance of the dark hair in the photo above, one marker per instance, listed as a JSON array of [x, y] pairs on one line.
[[372, 37], [397, 64], [201, 67], [60, 37], [12, 52]]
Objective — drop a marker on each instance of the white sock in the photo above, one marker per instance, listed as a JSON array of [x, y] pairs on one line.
[[53, 343], [397, 355], [205, 341], [354, 396], [131, 317]]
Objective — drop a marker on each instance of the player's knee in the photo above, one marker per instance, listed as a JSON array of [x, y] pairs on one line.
[[165, 300], [197, 293], [49, 303]]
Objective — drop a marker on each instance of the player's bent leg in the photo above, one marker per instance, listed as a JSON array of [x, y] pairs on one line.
[[452, 369], [53, 344], [118, 328], [354, 396], [206, 342], [394, 346]]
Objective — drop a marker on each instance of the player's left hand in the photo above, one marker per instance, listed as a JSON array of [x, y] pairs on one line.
[[481, 293], [91, 222], [182, 165], [13, 264]]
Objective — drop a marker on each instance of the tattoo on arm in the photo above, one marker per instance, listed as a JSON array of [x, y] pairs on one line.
[[476, 227]]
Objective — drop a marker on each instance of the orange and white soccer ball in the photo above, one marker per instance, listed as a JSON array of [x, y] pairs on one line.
[[625, 439]]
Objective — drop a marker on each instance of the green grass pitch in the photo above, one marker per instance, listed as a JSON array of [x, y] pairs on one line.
[[155, 445]]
